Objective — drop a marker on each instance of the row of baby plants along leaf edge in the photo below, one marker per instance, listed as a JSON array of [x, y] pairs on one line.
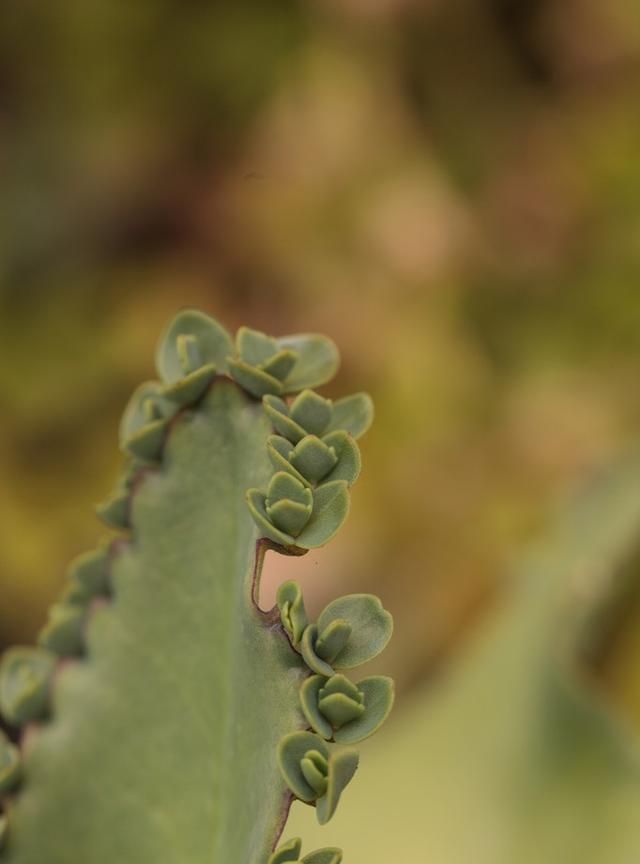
[[315, 461]]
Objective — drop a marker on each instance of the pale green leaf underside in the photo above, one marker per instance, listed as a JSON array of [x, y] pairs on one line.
[[213, 343], [163, 745], [318, 360], [512, 759]]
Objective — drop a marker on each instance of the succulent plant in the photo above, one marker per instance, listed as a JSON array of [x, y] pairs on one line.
[[339, 710], [290, 852], [163, 716]]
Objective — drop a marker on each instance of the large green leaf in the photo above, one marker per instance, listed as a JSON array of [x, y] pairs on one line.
[[513, 757], [157, 707], [163, 744]]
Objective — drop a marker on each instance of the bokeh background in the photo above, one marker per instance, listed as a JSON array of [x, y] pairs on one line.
[[449, 188]]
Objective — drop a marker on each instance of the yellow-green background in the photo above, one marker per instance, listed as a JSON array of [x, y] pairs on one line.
[[449, 188]]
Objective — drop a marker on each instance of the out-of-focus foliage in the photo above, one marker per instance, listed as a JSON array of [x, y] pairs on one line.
[[517, 757], [450, 189]]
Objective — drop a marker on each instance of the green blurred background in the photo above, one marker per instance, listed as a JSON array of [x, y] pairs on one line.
[[449, 188]]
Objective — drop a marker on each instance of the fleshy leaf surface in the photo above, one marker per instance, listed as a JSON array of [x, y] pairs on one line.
[[91, 570], [318, 360], [371, 626], [255, 347], [330, 509], [146, 405], [348, 454], [256, 501], [64, 631], [280, 450], [10, 767], [114, 511], [255, 381], [342, 767], [278, 413], [289, 851], [352, 414], [292, 610], [292, 749], [323, 856], [213, 344], [311, 411], [25, 679], [378, 692], [182, 670], [308, 651]]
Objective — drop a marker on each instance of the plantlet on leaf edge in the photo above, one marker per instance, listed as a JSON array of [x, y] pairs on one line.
[[163, 706]]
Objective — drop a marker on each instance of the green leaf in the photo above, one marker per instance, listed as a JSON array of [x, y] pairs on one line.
[[330, 509], [309, 695], [255, 381], [254, 347], [317, 363], [131, 473], [340, 701], [347, 452], [352, 414], [159, 740], [64, 631], [114, 512], [371, 625], [288, 516], [333, 639], [25, 678], [292, 749], [146, 405], [76, 594], [10, 770], [315, 767], [163, 745], [337, 709], [258, 509], [213, 344], [378, 693], [342, 767], [278, 412], [188, 353], [312, 412], [292, 612], [147, 442], [191, 388], [323, 856], [303, 757], [280, 364], [313, 458], [91, 571], [340, 709], [284, 486], [279, 450], [289, 851], [346, 465], [308, 651]]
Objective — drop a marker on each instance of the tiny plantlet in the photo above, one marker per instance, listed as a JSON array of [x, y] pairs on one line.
[[163, 717]]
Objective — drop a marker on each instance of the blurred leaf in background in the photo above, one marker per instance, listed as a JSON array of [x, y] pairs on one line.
[[518, 756]]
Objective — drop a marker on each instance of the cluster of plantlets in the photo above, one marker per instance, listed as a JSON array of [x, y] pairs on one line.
[[164, 716], [349, 632]]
